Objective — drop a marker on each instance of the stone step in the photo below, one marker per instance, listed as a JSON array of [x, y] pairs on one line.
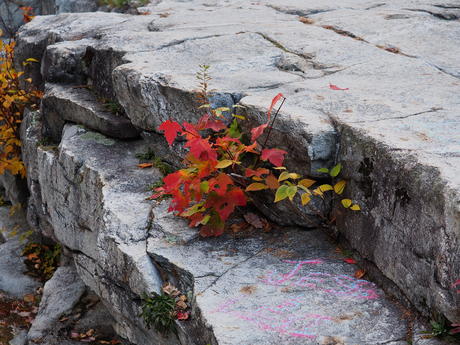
[[79, 105], [288, 286]]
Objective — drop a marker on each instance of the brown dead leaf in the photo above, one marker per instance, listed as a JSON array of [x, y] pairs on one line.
[[359, 274], [237, 227], [272, 182], [170, 290], [145, 165], [348, 111], [29, 298], [183, 298], [306, 20], [248, 289], [164, 14], [254, 220], [181, 304]]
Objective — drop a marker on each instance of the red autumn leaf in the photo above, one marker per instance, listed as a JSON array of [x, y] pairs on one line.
[[190, 131], [350, 261], [259, 172], [335, 87], [182, 315], [274, 101], [201, 149], [171, 128], [220, 184], [172, 181], [257, 131], [206, 122], [275, 156]]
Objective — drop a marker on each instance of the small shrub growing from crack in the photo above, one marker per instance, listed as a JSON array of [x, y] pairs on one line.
[[161, 311], [149, 159], [225, 165]]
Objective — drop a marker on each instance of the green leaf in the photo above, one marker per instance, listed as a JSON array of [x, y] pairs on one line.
[[192, 210], [323, 170], [281, 193], [291, 192], [346, 203], [233, 130], [204, 187], [339, 187], [205, 219], [336, 170]]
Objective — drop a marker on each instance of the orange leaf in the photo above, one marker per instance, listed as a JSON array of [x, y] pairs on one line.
[[145, 165], [360, 273], [272, 182]]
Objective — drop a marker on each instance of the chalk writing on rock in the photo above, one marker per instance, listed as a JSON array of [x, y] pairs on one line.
[[286, 317], [335, 284]]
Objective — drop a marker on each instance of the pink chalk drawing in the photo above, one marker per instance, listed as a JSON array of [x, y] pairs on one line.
[[282, 318], [335, 284], [287, 317]]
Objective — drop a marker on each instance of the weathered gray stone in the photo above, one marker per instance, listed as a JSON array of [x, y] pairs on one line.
[[396, 137], [60, 294], [266, 289], [13, 281], [74, 104]]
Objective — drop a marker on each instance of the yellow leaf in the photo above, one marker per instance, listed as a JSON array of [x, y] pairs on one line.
[[346, 203], [279, 168], [255, 187], [287, 175], [257, 178], [307, 182], [355, 207], [325, 187], [224, 163], [339, 187], [305, 199]]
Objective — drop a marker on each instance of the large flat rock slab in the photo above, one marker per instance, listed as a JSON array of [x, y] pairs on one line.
[[266, 289]]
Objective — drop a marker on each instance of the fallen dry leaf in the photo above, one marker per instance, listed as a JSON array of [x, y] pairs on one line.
[[306, 20], [237, 227], [254, 220], [360, 273], [181, 305], [145, 165], [335, 87], [350, 261], [29, 298], [249, 289], [182, 315]]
